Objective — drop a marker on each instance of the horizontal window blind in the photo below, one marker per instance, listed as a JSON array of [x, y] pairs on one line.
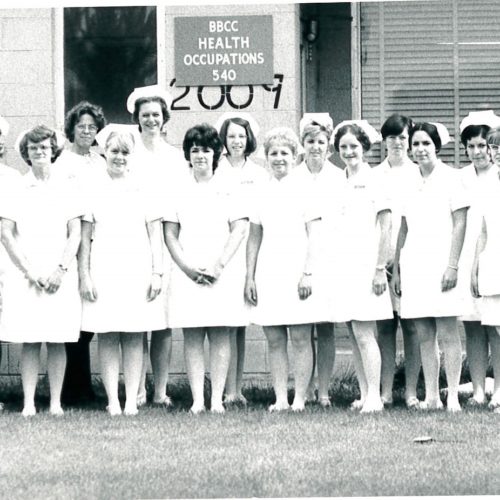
[[431, 60]]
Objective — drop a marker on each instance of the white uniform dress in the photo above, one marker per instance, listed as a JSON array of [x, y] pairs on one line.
[[84, 170], [425, 254], [10, 180], [489, 262], [477, 187], [283, 209], [159, 175], [356, 253], [247, 177], [204, 211], [326, 188], [397, 182], [41, 211], [121, 261]]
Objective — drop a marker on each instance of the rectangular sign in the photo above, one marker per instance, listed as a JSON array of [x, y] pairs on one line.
[[223, 50]]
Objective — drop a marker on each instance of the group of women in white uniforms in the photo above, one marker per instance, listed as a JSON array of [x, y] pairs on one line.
[[209, 241]]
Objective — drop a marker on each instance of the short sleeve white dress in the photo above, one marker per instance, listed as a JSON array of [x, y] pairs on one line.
[[204, 211], [121, 261], [425, 254], [356, 252], [326, 188], [477, 187], [489, 262], [282, 209], [41, 211], [397, 182]]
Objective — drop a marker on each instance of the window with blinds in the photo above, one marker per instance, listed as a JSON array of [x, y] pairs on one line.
[[431, 60]]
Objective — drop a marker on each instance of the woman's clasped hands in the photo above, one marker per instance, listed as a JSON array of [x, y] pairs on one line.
[[50, 284]]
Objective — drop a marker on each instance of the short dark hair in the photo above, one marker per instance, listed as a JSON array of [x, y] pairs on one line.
[[206, 136], [493, 136], [395, 125], [430, 129], [143, 100], [251, 145], [76, 112], [355, 130], [36, 135], [473, 131]]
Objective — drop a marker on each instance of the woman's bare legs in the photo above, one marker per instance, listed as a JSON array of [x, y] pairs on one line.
[[325, 360], [449, 338], [300, 336], [161, 352], [109, 359], [365, 335], [413, 361], [277, 339], [132, 348], [194, 356], [220, 352], [494, 338], [358, 368], [386, 338], [234, 382], [429, 350], [56, 366], [142, 392], [476, 348], [30, 364]]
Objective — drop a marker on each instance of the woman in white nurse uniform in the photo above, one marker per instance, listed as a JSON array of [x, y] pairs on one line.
[[41, 233], [121, 270], [204, 226], [238, 132], [280, 265], [323, 182], [360, 295], [397, 173], [159, 166], [430, 243], [486, 274], [9, 177], [478, 178]]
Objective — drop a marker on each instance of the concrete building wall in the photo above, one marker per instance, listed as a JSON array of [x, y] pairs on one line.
[[27, 90], [30, 50], [286, 54]]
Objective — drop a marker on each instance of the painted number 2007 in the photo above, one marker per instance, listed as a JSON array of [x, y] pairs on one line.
[[225, 96]]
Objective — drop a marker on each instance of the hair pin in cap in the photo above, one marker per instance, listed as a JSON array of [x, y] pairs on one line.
[[60, 138], [322, 119], [119, 128], [370, 131], [244, 116], [487, 117], [149, 91], [4, 126], [444, 135]]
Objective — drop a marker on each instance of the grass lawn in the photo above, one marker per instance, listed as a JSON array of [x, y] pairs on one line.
[[246, 453]]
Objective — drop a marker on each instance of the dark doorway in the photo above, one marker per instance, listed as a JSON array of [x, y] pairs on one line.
[[108, 51]]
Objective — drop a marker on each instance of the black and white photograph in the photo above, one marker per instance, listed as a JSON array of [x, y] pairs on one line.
[[249, 250]]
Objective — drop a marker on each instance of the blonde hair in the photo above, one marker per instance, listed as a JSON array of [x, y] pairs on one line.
[[283, 136], [123, 140]]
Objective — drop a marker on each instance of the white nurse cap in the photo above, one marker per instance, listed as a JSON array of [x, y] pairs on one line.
[[4, 126], [370, 131], [102, 135], [244, 116], [322, 119], [149, 91], [487, 117], [443, 133]]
